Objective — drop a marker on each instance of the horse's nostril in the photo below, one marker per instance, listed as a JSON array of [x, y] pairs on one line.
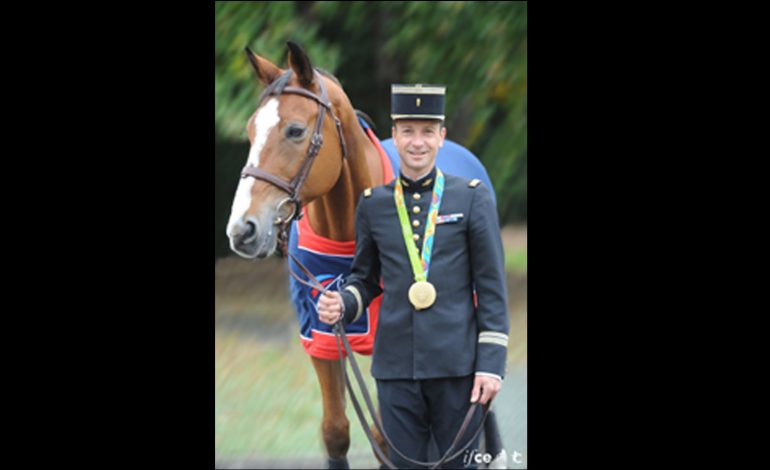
[[251, 231]]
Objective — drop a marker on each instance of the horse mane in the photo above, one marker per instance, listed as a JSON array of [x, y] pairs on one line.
[[329, 75], [366, 118], [359, 113]]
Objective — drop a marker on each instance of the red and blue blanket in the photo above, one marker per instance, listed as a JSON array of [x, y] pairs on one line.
[[330, 263]]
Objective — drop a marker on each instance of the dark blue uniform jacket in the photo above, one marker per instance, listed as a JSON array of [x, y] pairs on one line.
[[452, 338]]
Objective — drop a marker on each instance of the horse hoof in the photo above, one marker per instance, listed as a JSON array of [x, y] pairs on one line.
[[338, 463]]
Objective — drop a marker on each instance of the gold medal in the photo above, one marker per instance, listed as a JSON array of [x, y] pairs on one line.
[[422, 294]]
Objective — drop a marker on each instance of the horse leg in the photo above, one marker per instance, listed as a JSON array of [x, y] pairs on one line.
[[335, 427], [379, 440]]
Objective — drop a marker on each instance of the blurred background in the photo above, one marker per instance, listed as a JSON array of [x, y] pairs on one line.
[[268, 404]]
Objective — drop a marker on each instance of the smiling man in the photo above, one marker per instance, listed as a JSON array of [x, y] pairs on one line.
[[430, 238]]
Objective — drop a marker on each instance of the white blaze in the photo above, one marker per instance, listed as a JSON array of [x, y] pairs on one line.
[[267, 118]]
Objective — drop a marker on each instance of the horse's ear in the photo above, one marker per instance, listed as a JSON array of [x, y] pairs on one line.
[[300, 63], [266, 71]]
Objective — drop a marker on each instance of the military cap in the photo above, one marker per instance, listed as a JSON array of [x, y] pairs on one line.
[[417, 101]]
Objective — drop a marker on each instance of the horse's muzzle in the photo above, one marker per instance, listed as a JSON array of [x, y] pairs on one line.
[[248, 241]]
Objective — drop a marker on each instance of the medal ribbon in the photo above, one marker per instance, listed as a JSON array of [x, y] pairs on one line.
[[420, 266]]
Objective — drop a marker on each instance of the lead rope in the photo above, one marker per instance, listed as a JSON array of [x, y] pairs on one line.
[[340, 336]]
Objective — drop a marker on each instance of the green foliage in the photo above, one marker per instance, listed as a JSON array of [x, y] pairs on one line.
[[264, 27], [477, 49], [516, 260]]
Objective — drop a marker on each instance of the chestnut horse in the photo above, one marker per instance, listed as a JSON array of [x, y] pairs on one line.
[[273, 189], [299, 157]]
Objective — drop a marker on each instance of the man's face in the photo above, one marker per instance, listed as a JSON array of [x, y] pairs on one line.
[[417, 142]]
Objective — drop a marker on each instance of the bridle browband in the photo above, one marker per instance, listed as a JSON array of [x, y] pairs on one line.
[[293, 187]]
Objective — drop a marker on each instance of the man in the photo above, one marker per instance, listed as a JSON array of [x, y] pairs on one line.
[[432, 238]]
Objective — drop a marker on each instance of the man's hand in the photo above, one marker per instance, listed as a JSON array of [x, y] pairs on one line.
[[330, 307], [486, 386]]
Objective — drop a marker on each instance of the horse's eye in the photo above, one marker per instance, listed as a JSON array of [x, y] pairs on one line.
[[295, 132]]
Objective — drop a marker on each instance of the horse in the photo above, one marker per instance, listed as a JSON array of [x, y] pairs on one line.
[[303, 177]]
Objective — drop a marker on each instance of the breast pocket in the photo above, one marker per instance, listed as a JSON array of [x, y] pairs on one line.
[[450, 234]]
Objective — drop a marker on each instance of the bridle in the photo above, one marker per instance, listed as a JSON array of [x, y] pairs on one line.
[[293, 187]]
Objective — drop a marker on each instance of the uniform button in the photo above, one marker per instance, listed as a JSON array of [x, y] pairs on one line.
[[416, 209], [415, 223], [416, 236], [416, 196]]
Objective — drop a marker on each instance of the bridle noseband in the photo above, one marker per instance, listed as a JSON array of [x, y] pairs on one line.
[[293, 187]]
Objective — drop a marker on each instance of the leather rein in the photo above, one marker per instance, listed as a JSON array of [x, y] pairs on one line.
[[341, 337], [293, 187]]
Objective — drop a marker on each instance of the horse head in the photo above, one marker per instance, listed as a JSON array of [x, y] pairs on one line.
[[296, 155]]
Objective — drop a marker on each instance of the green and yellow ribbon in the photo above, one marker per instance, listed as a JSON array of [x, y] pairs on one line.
[[420, 263]]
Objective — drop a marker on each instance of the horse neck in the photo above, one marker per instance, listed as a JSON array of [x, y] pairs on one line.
[[333, 214]]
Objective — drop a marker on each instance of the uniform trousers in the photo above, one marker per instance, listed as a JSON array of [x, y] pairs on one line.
[[414, 410]]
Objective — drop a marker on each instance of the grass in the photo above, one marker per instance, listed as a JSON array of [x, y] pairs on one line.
[[268, 401], [516, 260]]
